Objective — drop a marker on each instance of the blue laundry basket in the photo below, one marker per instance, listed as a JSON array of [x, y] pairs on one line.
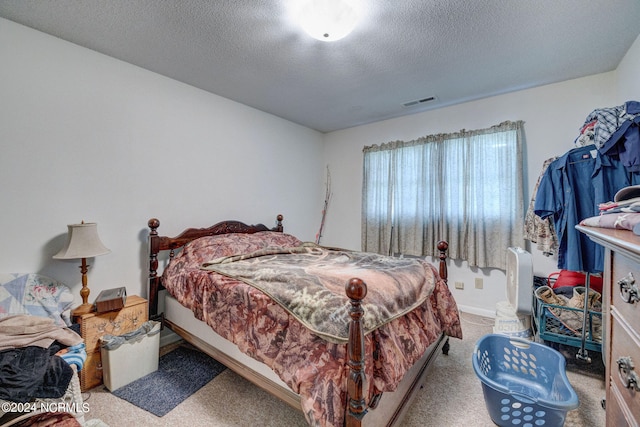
[[524, 383]]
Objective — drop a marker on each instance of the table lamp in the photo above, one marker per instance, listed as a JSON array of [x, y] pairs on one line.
[[82, 243]]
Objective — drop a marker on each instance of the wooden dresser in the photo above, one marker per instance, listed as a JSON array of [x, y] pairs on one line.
[[621, 318], [95, 325]]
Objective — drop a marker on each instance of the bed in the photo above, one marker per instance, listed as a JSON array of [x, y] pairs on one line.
[[35, 323], [363, 372]]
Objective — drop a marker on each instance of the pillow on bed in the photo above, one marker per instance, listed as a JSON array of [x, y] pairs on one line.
[[36, 295], [207, 248]]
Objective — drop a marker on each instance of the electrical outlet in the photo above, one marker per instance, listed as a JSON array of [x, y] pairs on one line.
[[459, 285], [479, 283]]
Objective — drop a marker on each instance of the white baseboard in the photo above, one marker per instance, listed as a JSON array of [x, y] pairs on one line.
[[477, 311]]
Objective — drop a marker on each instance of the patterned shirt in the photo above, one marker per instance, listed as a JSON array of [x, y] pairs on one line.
[[609, 120]]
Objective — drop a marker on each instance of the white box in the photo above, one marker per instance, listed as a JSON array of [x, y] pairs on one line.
[[132, 360]]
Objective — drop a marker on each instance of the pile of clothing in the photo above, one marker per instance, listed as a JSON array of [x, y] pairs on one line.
[[615, 131], [36, 357]]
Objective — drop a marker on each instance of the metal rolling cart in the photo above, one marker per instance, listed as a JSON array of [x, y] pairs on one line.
[[576, 327]]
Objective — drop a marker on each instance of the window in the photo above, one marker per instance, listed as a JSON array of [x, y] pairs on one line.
[[464, 187]]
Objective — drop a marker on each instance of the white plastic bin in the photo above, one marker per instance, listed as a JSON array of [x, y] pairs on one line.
[[128, 357], [509, 322]]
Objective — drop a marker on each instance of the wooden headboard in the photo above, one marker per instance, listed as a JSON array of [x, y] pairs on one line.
[[159, 243]]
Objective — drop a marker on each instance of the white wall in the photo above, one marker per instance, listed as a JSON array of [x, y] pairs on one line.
[[552, 114], [87, 137], [628, 75]]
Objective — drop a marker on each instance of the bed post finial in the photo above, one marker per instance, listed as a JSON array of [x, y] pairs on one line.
[[279, 227], [153, 224], [357, 407], [443, 246]]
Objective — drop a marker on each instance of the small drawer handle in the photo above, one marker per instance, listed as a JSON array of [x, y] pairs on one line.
[[627, 375], [628, 290]]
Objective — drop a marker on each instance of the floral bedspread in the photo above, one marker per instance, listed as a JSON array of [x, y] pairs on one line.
[[311, 366]]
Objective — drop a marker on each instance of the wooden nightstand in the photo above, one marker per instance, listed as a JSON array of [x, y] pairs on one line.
[[95, 325]]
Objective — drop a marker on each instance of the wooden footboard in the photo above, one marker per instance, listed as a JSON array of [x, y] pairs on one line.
[[355, 289]]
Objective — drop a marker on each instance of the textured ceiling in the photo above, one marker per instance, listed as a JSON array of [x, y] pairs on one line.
[[401, 50]]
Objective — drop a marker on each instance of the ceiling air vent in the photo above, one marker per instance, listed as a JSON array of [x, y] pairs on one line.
[[420, 101]]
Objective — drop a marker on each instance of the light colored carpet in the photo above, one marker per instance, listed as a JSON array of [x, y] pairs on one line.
[[452, 396]]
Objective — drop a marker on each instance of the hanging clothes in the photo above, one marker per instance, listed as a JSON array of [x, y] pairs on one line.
[[539, 230], [587, 135], [609, 120], [625, 141], [571, 190]]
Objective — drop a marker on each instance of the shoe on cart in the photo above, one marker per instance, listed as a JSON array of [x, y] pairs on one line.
[[577, 300], [546, 294]]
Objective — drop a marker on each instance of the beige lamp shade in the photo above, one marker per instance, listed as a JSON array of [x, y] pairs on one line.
[[83, 242]]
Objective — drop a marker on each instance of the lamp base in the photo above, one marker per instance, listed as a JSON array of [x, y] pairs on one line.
[[81, 309]]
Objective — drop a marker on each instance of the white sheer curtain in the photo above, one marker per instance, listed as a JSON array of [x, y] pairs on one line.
[[464, 187]]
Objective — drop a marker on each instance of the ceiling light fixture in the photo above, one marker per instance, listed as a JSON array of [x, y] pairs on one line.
[[327, 20]]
